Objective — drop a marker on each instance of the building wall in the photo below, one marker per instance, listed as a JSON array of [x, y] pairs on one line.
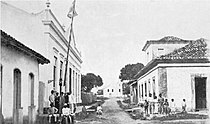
[[180, 85], [152, 77], [175, 81], [10, 60], [24, 27], [44, 34], [114, 90], [155, 50]]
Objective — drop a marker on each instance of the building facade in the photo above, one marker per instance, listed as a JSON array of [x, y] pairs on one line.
[[44, 33], [113, 90], [178, 69], [19, 84]]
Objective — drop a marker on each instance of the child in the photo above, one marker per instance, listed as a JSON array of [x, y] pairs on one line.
[[146, 104], [172, 106], [84, 112], [66, 113], [184, 106], [99, 111], [165, 104], [52, 110]]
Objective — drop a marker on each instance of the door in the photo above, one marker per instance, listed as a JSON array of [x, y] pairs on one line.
[[17, 95], [200, 92]]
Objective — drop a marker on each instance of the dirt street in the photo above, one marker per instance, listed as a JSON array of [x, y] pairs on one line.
[[113, 114]]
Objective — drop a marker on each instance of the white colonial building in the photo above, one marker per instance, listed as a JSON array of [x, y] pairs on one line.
[[44, 33], [19, 81], [113, 90], [178, 69]]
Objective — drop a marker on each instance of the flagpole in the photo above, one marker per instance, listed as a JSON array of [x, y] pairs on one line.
[[71, 30], [64, 81]]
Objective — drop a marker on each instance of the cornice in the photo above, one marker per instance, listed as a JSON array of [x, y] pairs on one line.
[[52, 25], [62, 47]]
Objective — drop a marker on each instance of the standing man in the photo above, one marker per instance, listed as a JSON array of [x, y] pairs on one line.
[[146, 105], [52, 98], [72, 105], [160, 104], [62, 102]]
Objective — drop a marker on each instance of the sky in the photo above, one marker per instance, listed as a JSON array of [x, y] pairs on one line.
[[112, 33]]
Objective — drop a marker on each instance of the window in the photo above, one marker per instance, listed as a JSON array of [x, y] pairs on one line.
[[147, 56], [70, 80], [119, 90], [73, 83], [145, 88], [17, 89], [153, 87], [149, 88], [54, 70], [1, 76], [107, 90], [61, 69], [142, 92], [139, 91], [31, 83], [76, 84], [112, 90], [160, 49]]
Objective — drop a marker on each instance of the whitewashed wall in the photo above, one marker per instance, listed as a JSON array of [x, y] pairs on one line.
[[11, 59], [152, 74], [179, 84]]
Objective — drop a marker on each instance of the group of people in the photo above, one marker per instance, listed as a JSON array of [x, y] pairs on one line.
[[164, 107], [63, 104]]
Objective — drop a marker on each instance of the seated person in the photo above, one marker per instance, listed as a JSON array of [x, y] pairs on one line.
[[52, 111], [99, 111], [66, 113]]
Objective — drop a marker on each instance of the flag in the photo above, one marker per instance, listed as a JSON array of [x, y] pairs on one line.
[[72, 13]]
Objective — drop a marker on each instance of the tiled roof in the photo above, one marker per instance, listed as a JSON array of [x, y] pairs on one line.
[[9, 41], [166, 40], [194, 52]]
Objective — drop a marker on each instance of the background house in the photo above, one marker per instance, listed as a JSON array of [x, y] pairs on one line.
[[180, 74], [113, 90], [19, 84]]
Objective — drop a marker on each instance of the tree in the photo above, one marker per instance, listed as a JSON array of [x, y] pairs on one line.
[[130, 70], [90, 80]]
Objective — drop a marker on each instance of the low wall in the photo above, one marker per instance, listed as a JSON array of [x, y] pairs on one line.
[[88, 98]]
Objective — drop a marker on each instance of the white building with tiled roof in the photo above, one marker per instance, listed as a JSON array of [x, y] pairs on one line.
[[178, 69], [19, 81], [43, 33]]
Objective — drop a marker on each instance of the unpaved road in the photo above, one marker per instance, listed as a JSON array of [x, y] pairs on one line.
[[113, 114]]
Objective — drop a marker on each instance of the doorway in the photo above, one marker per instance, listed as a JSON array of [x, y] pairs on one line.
[[200, 92], [17, 95]]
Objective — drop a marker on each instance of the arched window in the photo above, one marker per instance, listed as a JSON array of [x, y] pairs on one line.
[[17, 89], [31, 88]]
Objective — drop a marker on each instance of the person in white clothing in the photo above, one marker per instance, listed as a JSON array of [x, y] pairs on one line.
[[66, 114], [99, 111], [184, 105], [172, 106]]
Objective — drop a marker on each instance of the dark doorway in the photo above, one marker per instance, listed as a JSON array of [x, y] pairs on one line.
[[200, 92], [17, 95]]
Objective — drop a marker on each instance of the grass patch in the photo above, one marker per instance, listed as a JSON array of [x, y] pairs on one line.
[[180, 116]]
